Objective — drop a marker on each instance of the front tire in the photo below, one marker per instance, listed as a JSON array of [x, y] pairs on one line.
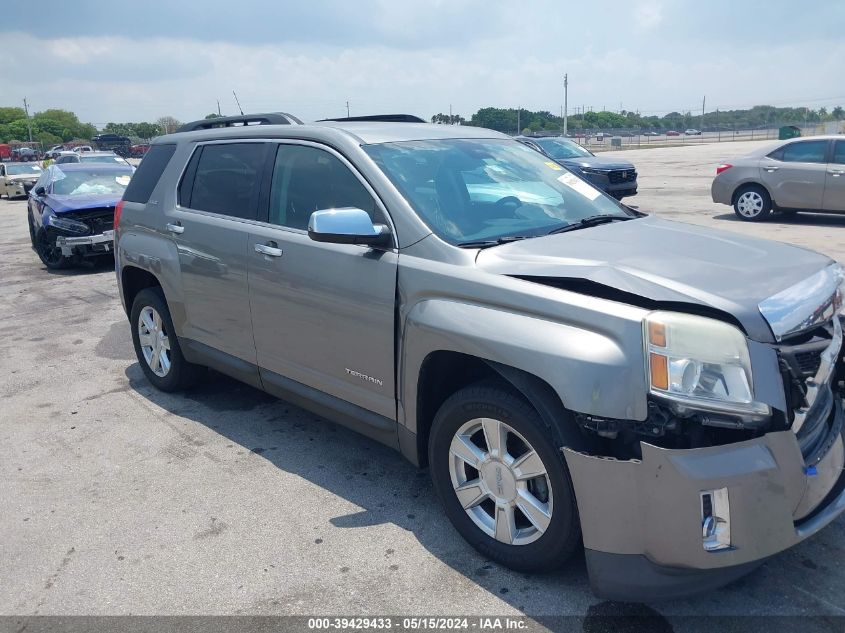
[[752, 203], [156, 344], [49, 252], [499, 472]]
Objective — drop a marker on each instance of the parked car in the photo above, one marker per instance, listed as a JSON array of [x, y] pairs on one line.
[[612, 175], [570, 370], [24, 154], [54, 151], [5, 152], [138, 151], [115, 143], [90, 157], [651, 133], [692, 132], [16, 179], [673, 133], [83, 148], [603, 135], [71, 211], [806, 174]]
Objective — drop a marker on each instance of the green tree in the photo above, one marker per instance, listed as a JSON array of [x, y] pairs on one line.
[[147, 131], [7, 115], [838, 113], [212, 115]]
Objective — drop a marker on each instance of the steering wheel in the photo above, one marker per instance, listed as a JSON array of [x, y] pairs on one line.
[[508, 200]]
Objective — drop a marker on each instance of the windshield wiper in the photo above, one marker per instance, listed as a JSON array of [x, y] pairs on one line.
[[507, 239], [593, 220]]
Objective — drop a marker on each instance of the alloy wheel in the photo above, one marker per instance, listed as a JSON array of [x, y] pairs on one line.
[[500, 481], [154, 341]]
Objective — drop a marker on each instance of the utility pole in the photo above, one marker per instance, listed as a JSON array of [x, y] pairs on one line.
[[565, 103], [218, 108], [518, 126], [28, 123], [451, 121], [347, 108], [703, 101]]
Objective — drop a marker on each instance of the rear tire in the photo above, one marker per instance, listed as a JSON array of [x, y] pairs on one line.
[[752, 203], [156, 344], [523, 520]]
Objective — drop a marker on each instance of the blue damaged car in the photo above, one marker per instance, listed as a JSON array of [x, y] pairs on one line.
[[71, 211]]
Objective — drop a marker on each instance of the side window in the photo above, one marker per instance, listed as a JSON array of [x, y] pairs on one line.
[[227, 179], [308, 179], [805, 152], [148, 173], [183, 196], [2, 170], [839, 152], [777, 154]]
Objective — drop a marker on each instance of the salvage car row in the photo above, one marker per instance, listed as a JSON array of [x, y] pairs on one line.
[[572, 371]]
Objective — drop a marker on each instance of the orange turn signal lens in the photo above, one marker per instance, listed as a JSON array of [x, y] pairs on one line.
[[659, 371], [657, 334]]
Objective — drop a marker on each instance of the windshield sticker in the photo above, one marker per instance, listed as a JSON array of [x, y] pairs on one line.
[[554, 166], [123, 181], [575, 183]]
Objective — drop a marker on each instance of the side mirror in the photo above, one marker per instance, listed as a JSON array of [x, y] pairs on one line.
[[347, 226], [39, 191]]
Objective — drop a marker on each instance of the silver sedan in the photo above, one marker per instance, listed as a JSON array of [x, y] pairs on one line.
[[796, 175]]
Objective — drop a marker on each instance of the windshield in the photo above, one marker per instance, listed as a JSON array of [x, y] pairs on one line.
[[561, 149], [487, 189], [89, 182], [26, 168], [102, 158]]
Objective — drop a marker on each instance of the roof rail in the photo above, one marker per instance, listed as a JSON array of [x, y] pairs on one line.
[[386, 118], [270, 118]]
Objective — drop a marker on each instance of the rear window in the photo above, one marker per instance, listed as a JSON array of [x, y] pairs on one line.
[[149, 171], [227, 178]]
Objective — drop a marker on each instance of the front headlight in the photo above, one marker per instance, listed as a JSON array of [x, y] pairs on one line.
[[592, 172], [69, 225], [699, 362]]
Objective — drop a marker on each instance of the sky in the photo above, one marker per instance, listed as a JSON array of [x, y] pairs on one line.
[[118, 60]]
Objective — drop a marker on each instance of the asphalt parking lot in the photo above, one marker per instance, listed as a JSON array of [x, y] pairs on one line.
[[118, 499]]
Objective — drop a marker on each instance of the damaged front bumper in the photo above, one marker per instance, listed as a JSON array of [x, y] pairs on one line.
[[86, 244], [645, 523]]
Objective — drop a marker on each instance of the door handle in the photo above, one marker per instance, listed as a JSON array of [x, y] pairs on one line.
[[268, 249], [771, 169], [176, 228], [836, 172]]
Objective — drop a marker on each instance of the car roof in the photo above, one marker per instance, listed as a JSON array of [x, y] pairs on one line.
[[70, 167], [364, 132], [102, 153]]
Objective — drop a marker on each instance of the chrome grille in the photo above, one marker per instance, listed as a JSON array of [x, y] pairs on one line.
[[619, 176]]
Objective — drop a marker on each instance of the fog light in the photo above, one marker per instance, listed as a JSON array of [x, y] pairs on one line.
[[715, 520]]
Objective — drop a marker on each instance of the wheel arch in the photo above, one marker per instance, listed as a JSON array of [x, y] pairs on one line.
[[444, 372], [132, 281], [755, 183]]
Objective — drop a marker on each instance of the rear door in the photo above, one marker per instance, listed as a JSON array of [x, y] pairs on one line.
[[834, 190], [323, 314], [795, 174], [217, 198]]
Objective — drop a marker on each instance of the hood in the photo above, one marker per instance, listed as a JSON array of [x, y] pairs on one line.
[[663, 262], [65, 204], [23, 177], [596, 162]]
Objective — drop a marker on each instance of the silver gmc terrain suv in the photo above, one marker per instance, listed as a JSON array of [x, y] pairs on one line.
[[570, 370]]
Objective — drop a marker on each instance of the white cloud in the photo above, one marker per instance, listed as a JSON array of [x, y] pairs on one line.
[[131, 79], [648, 15]]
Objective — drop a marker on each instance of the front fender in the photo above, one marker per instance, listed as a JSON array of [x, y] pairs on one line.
[[597, 369]]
